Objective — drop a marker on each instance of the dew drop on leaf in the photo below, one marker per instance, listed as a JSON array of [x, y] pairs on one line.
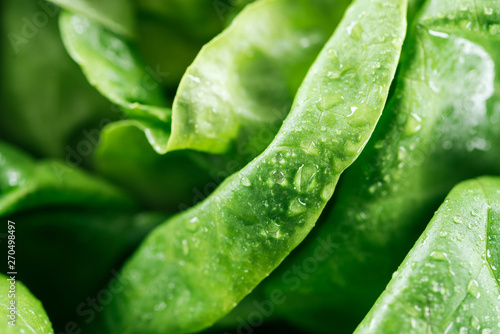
[[246, 182], [473, 288]]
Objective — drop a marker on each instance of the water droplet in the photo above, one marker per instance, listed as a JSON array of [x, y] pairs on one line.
[[327, 102], [327, 192], [334, 74], [465, 24], [305, 178], [438, 34], [448, 328], [457, 220], [246, 182], [194, 78], [273, 229], [279, 177], [473, 288], [474, 322], [355, 31], [297, 207], [443, 234], [413, 125], [396, 43], [193, 224], [439, 256], [278, 158], [353, 110]]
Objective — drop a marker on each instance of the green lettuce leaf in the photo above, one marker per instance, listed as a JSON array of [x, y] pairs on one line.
[[58, 210], [197, 266], [240, 87], [448, 282], [112, 65], [46, 101], [439, 128], [30, 316], [27, 184]]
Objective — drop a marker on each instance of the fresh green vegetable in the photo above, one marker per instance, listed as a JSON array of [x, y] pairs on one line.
[[193, 269], [121, 75], [26, 184], [435, 122], [448, 283], [46, 101], [30, 316], [102, 66], [258, 237], [238, 90], [59, 208], [112, 66]]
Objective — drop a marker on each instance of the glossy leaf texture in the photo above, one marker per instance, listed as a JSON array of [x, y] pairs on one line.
[[112, 65], [443, 115], [448, 282], [57, 210], [240, 87], [30, 317], [153, 183], [116, 15], [46, 117], [193, 269]]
